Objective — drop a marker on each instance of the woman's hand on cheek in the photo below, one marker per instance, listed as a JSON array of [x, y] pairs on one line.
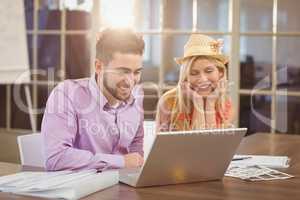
[[219, 89], [191, 93], [211, 99], [223, 85]]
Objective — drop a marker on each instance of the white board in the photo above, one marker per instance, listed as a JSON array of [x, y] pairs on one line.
[[14, 65]]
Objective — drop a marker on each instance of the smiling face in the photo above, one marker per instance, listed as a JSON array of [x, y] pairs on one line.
[[204, 75], [118, 62], [120, 75]]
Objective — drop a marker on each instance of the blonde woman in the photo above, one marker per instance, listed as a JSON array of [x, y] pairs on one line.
[[200, 100]]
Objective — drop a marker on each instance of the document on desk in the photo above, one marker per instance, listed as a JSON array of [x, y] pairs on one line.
[[62, 184], [262, 160], [255, 173]]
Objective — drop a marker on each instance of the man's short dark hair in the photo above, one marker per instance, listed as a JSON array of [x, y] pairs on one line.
[[122, 40]]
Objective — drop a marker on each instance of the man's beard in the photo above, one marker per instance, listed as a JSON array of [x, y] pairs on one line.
[[113, 90]]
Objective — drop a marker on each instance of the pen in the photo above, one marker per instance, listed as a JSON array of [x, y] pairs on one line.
[[242, 158]]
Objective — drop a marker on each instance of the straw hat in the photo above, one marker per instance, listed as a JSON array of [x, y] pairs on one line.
[[202, 45]]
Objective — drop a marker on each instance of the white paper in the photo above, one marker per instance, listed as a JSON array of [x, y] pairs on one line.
[[51, 181], [64, 184], [263, 160], [27, 179], [255, 173]]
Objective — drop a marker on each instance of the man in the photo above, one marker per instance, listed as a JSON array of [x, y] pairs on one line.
[[97, 123]]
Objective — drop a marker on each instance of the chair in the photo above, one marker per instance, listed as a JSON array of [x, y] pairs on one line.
[[31, 150]]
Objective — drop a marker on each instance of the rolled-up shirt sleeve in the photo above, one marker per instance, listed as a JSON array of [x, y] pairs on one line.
[[59, 129], [138, 141], [137, 144]]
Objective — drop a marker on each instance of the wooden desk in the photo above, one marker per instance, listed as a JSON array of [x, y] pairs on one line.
[[229, 188]]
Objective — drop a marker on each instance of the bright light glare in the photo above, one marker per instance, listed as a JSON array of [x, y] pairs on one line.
[[117, 13]]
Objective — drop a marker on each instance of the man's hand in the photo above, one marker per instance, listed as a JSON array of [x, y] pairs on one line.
[[133, 160]]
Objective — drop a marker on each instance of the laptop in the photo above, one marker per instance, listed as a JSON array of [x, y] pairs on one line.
[[186, 157]]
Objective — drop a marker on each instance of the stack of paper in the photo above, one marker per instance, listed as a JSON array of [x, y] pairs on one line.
[[262, 160], [258, 167], [62, 184], [256, 173]]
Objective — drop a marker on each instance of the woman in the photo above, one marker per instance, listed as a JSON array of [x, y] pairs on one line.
[[200, 100]]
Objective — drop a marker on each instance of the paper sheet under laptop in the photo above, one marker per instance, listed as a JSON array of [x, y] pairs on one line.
[[62, 184], [263, 160]]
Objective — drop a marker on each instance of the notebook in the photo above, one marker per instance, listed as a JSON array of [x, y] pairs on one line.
[[62, 184], [263, 160]]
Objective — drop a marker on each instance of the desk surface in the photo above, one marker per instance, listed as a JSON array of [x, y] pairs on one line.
[[228, 188]]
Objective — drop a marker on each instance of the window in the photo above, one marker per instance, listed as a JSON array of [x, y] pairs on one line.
[[269, 65], [260, 36]]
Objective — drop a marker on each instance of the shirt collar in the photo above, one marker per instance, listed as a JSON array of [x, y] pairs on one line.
[[101, 99]]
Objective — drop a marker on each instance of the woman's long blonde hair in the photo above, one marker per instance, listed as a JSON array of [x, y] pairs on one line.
[[184, 105]]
